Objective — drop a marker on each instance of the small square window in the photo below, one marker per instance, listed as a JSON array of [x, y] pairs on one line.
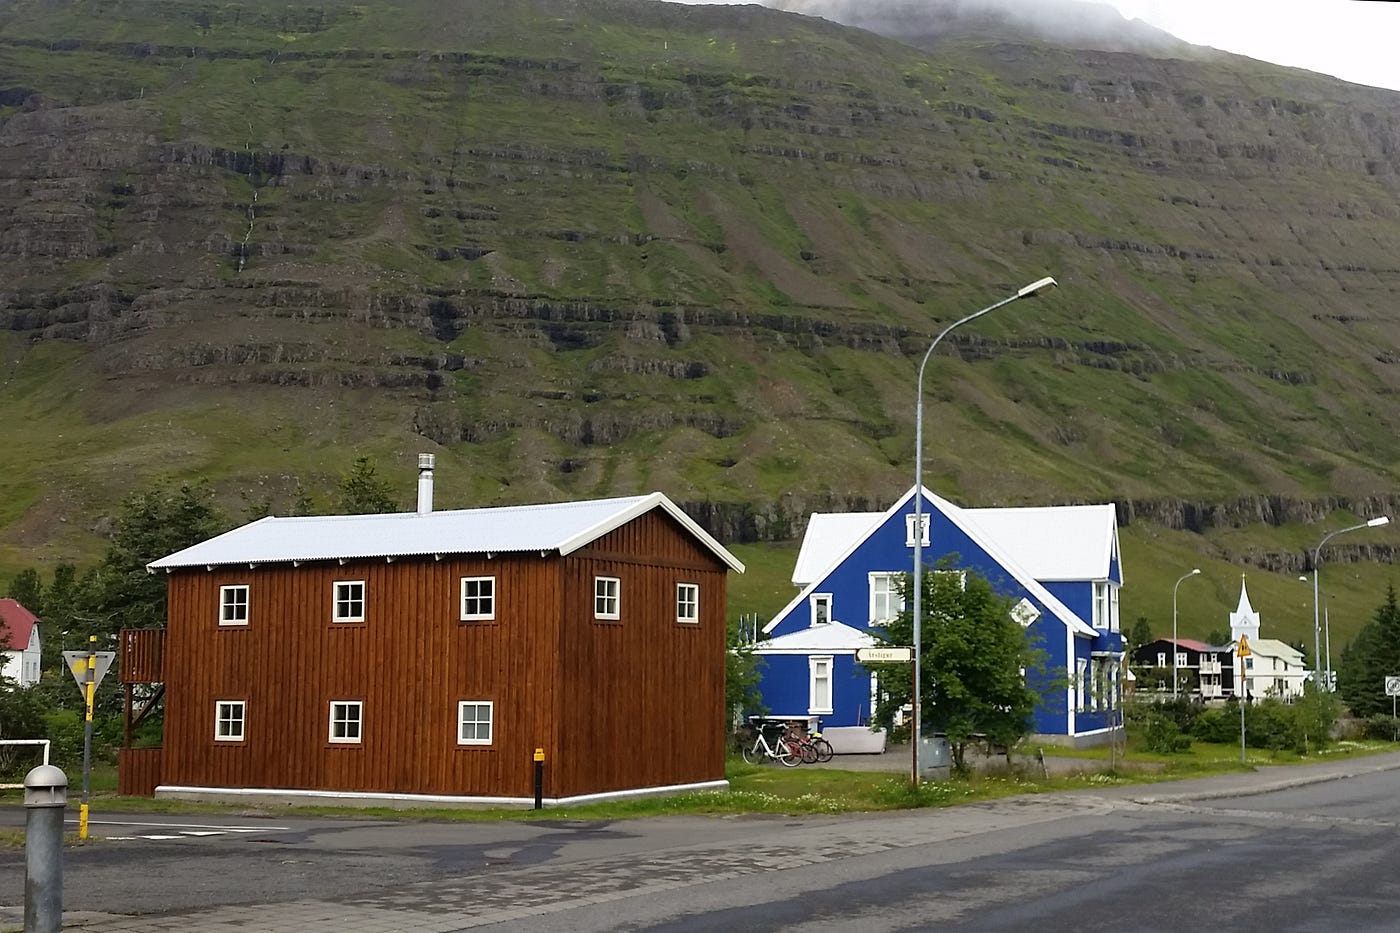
[[347, 718], [233, 604], [349, 601], [474, 721], [687, 602], [478, 598], [229, 719], [607, 598]]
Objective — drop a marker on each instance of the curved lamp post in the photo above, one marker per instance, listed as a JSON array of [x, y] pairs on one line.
[[1317, 629], [1175, 649], [914, 732]]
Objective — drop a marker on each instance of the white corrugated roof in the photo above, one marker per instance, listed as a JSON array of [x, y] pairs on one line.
[[829, 535], [836, 637], [836, 541], [1273, 648], [1058, 542], [562, 527]]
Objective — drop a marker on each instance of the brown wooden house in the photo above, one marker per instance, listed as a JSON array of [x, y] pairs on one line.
[[429, 655]]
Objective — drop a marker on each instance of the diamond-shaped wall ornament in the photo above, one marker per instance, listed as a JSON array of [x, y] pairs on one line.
[[1025, 612]]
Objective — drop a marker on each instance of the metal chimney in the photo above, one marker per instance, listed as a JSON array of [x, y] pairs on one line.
[[425, 483]]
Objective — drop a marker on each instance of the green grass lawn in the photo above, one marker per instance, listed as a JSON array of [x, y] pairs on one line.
[[755, 789]]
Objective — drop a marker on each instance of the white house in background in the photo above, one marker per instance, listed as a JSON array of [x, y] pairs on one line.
[[19, 636], [1273, 668]]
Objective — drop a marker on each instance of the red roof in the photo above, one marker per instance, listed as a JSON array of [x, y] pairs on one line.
[[16, 622], [1191, 644]]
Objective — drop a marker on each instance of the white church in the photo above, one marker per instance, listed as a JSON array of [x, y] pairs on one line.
[[1273, 668]]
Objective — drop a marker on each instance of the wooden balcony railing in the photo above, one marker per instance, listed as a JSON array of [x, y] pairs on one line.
[[142, 651]]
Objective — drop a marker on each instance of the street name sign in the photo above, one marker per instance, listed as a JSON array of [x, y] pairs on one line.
[[884, 655]]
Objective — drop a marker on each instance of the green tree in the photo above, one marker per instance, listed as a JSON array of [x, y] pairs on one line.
[[364, 492], [151, 524], [1372, 654], [980, 674], [27, 589], [742, 671], [1139, 634]]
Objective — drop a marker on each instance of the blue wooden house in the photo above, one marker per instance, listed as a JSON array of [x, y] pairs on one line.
[[1059, 566]]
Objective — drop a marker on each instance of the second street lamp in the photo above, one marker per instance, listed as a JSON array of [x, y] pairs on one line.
[[1376, 522], [1176, 651], [918, 582]]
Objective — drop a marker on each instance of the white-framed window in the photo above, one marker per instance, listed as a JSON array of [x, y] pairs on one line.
[[1113, 607], [607, 598], [819, 692], [1081, 674], [687, 602], [1101, 604], [347, 722], [886, 603], [1161, 659], [960, 574], [230, 719], [233, 604], [348, 604], [821, 608], [909, 520], [475, 719], [1096, 684], [478, 599], [1181, 659], [1113, 686]]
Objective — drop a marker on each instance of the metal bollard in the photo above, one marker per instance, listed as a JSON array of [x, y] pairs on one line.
[[45, 798]]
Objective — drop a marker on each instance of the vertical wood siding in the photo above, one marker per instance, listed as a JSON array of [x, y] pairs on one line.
[[618, 705], [642, 698], [141, 653], [409, 663]]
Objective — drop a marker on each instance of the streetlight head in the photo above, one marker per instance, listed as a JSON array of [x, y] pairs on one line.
[[1196, 570], [1036, 286], [1378, 522]]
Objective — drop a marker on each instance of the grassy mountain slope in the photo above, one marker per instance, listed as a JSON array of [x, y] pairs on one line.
[[601, 247]]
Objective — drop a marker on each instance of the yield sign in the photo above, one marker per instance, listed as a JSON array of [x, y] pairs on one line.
[[77, 663]]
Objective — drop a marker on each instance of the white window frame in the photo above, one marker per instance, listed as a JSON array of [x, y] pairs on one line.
[[1081, 671], [224, 714], [344, 708], [960, 574], [820, 675], [230, 604], [1181, 660], [348, 599], [1101, 604], [688, 603], [820, 606], [486, 600], [909, 529], [489, 722], [884, 587], [607, 598], [1161, 659], [1113, 622]]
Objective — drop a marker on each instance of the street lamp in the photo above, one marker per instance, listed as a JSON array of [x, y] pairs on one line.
[[1176, 650], [914, 733], [1317, 629]]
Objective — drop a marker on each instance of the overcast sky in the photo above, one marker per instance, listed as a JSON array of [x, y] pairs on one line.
[[1356, 40]]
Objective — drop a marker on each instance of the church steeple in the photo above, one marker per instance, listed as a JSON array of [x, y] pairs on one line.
[[1245, 619]]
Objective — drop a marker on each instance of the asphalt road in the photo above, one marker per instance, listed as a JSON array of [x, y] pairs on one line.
[[1215, 854]]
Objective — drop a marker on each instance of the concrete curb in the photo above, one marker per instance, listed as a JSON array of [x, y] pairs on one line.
[[1266, 787]]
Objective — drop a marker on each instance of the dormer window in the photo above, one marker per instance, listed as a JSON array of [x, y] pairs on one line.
[[821, 608]]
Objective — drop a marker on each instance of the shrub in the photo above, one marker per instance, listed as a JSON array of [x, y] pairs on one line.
[[1381, 726], [1164, 737], [1218, 725]]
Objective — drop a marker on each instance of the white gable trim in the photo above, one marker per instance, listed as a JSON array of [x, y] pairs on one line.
[[640, 508]]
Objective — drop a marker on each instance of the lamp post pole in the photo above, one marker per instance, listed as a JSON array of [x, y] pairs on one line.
[[918, 582], [1317, 627], [1175, 649]]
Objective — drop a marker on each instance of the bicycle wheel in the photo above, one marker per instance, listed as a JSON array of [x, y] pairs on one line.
[[806, 749], [788, 755], [755, 754], [824, 750]]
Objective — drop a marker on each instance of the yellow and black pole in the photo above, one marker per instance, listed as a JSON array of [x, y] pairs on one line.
[[539, 778], [89, 687]]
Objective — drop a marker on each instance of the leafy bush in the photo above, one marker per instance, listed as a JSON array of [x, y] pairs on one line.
[[1164, 737], [1218, 725], [1381, 726]]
